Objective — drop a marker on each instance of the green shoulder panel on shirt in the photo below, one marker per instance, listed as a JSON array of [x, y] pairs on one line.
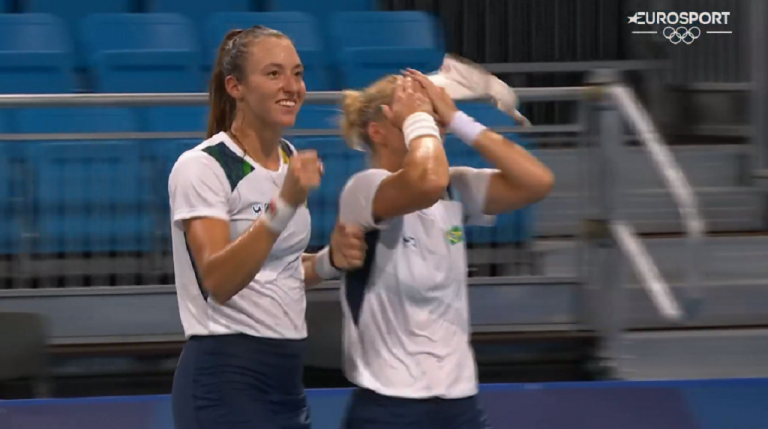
[[235, 166]]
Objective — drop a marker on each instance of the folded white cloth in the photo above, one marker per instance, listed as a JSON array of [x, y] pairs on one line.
[[463, 79]]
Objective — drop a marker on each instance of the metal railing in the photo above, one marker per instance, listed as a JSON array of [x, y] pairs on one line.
[[198, 99], [681, 191], [611, 239], [616, 101], [30, 270], [314, 132], [619, 97]]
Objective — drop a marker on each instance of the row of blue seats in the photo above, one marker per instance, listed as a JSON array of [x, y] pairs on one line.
[[167, 53], [88, 196], [71, 11]]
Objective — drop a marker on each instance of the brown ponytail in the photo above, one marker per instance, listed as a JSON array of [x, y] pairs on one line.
[[222, 105], [230, 62]]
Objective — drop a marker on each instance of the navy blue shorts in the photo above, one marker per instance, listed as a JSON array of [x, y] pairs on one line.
[[369, 410], [240, 381]]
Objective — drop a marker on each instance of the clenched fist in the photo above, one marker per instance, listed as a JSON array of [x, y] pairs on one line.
[[348, 246], [304, 173]]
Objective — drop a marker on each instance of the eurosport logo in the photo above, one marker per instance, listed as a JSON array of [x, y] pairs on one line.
[[681, 27]]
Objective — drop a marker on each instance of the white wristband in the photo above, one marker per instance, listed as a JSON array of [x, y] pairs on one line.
[[278, 215], [466, 128], [323, 265], [419, 124]]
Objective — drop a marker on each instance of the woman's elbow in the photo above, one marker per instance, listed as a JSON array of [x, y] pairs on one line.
[[545, 183], [219, 289], [217, 293], [536, 188], [540, 187]]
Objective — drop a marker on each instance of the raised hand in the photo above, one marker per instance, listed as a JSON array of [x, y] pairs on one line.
[[409, 98], [442, 103], [304, 173]]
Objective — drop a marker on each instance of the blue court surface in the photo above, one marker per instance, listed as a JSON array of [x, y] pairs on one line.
[[695, 404]]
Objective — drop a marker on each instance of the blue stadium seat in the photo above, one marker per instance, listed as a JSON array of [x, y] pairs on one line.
[[318, 116], [323, 10], [153, 52], [340, 163], [174, 118], [374, 44], [9, 227], [73, 11], [198, 11], [8, 239], [300, 27], [163, 153], [36, 54], [6, 6], [91, 196]]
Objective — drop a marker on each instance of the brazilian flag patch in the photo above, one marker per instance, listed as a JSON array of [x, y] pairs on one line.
[[455, 235]]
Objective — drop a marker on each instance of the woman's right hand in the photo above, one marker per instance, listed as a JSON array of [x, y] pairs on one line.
[[444, 106], [409, 98], [304, 173]]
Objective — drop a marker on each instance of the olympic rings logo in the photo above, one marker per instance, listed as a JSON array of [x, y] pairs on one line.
[[681, 34]]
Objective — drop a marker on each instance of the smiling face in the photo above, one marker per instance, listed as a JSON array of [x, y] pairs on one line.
[[271, 87]]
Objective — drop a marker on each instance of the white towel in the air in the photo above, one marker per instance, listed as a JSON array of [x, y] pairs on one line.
[[463, 80]]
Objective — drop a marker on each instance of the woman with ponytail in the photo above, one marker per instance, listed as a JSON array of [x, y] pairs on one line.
[[240, 226]]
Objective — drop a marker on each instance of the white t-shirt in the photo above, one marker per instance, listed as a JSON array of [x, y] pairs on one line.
[[406, 312], [216, 179]]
